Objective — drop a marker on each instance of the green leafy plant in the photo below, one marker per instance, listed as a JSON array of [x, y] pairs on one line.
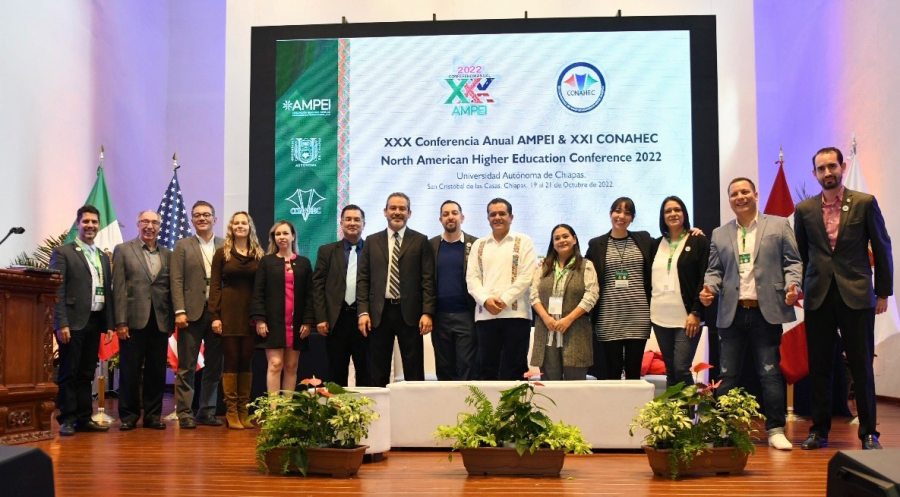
[[40, 257], [516, 421], [316, 416], [689, 419]]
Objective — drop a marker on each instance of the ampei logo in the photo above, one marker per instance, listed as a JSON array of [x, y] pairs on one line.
[[469, 95], [305, 202], [580, 87], [308, 107]]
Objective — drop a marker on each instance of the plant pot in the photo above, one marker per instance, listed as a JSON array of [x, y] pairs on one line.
[[718, 460], [338, 463], [505, 461]]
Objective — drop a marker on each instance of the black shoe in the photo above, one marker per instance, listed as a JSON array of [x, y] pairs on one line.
[[91, 426], [187, 423], [209, 421], [814, 441], [869, 442], [154, 424], [126, 426], [67, 429]]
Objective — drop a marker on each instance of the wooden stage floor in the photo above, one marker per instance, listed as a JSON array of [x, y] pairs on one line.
[[220, 462]]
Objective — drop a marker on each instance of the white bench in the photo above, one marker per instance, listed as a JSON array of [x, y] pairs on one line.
[[602, 409]]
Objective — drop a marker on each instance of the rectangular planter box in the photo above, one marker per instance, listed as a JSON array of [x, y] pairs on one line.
[[718, 460], [506, 461], [338, 463]]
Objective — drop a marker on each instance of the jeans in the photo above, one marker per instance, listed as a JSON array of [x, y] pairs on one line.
[[678, 353], [750, 331], [453, 339]]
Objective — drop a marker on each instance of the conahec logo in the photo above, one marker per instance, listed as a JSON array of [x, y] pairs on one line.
[[580, 87]]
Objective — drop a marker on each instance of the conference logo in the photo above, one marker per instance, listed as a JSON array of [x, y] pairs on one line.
[[306, 151], [307, 107], [469, 90], [305, 203], [580, 87]]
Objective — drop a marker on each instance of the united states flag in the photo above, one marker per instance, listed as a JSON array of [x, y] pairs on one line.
[[174, 223]]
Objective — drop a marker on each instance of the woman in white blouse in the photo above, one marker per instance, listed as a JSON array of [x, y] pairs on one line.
[[679, 263], [563, 292]]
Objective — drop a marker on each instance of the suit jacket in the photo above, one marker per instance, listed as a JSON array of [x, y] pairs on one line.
[[416, 277], [776, 264], [187, 276], [330, 282], [691, 267], [596, 253], [435, 243], [74, 296], [268, 299], [861, 224], [135, 290]]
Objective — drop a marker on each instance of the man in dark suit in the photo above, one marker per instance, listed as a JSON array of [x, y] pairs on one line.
[[189, 280], [454, 320], [82, 313], [834, 232], [395, 293], [143, 323], [334, 300], [755, 270]]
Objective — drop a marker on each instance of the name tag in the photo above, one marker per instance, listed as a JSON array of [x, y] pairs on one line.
[[621, 278], [99, 296], [555, 306], [743, 263]]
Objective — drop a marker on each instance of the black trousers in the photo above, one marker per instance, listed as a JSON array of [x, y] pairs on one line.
[[503, 348], [623, 354], [344, 343], [381, 347], [142, 366], [454, 344], [77, 363], [857, 333]]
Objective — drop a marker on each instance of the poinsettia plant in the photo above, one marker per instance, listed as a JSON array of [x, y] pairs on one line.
[[318, 415], [688, 419]]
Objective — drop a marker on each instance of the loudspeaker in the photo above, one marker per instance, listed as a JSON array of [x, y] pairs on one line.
[[25, 472], [864, 473]]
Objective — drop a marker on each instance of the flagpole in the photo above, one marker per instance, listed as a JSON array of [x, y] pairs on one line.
[[790, 387], [173, 416], [100, 417]]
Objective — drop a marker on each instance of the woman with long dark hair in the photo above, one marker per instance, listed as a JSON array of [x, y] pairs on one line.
[[563, 292], [678, 264]]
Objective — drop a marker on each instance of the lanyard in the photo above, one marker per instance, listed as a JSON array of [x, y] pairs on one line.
[[672, 250], [559, 273], [622, 250], [743, 238], [93, 257]]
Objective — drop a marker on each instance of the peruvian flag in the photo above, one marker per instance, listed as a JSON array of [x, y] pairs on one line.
[[794, 361]]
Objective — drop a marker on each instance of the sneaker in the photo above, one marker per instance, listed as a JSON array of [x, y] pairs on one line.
[[779, 441]]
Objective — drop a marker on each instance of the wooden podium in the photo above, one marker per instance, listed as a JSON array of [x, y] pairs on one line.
[[27, 387]]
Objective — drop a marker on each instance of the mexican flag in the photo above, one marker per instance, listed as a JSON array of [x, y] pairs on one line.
[[109, 235]]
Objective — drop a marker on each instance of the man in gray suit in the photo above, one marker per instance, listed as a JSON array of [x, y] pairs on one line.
[[189, 277], [143, 323], [395, 293], [334, 300], [454, 319], [83, 312], [755, 268], [835, 230]]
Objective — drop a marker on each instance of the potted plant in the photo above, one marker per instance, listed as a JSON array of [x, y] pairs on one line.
[[514, 438], [314, 430], [690, 430]]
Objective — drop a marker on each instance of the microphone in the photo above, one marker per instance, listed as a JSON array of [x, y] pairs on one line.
[[16, 230]]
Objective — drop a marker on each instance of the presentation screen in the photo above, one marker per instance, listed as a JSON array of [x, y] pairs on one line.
[[557, 116]]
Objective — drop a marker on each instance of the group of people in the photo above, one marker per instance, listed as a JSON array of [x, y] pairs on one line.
[[476, 297]]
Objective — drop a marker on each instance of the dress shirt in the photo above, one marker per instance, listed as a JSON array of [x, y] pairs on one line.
[[502, 269]]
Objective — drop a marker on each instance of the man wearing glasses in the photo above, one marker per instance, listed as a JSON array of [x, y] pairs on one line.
[[143, 315], [191, 270]]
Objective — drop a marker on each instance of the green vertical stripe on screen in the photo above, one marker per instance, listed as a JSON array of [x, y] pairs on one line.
[[306, 81]]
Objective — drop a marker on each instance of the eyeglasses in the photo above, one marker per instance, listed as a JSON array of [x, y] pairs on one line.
[[202, 215], [147, 222]]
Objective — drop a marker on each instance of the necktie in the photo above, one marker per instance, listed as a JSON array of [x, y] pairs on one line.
[[350, 293], [394, 281]]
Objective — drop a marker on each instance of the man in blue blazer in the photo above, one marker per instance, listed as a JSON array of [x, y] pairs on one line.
[[834, 232], [755, 269], [82, 313]]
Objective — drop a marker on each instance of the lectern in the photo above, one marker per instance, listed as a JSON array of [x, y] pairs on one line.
[[27, 389]]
